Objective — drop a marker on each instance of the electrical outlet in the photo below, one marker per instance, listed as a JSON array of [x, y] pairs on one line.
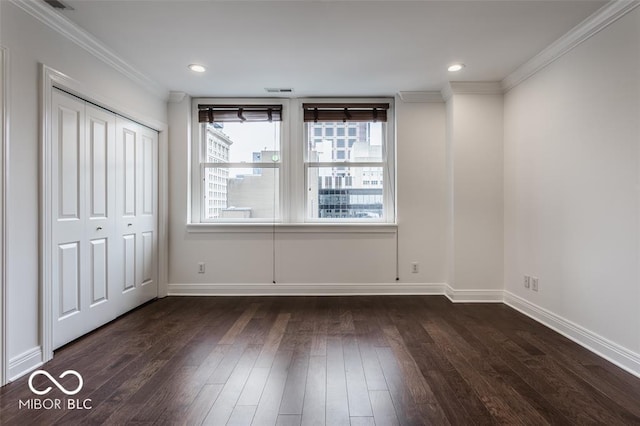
[[527, 281], [415, 267], [534, 283], [201, 268]]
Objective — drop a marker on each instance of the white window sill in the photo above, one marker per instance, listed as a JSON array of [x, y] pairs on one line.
[[338, 228]]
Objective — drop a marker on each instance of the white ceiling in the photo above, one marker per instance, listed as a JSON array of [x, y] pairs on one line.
[[325, 48]]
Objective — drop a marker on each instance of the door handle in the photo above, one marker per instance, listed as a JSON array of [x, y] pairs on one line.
[[99, 228], [129, 224]]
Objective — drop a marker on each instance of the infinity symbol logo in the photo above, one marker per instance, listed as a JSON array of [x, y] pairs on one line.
[[55, 382]]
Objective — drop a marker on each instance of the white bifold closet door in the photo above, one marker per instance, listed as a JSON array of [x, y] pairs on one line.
[[104, 201]]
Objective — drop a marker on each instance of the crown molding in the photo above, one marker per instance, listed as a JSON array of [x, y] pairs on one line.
[[420, 97], [471, 88], [61, 24], [601, 19]]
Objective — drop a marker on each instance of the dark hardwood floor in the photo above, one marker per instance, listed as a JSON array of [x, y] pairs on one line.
[[328, 360]]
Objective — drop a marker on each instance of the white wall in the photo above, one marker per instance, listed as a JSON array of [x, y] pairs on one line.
[[29, 43], [475, 173], [335, 258], [572, 170]]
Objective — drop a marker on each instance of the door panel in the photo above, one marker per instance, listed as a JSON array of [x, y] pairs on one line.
[[99, 268], [148, 169], [147, 257], [68, 153], [98, 167], [129, 160], [129, 261], [69, 267]]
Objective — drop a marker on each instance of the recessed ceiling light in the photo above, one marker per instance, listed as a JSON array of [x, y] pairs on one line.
[[455, 67], [197, 68]]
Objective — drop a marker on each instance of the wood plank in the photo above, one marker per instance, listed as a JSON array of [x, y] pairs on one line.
[[313, 412], [269, 405], [357, 393], [239, 325], [255, 385], [226, 401], [200, 407], [242, 415], [362, 421], [273, 340], [372, 370], [293, 395], [288, 420], [418, 387], [337, 411], [383, 411]]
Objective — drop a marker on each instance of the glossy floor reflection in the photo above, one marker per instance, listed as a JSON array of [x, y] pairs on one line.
[[327, 360]]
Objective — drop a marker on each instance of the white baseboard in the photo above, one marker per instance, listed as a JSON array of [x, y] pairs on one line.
[[315, 289], [612, 352], [24, 363], [473, 296]]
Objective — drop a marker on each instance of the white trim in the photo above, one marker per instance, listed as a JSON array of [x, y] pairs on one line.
[[4, 170], [61, 24], [471, 88], [314, 289], [601, 19], [473, 296], [421, 97], [47, 79], [25, 362], [611, 351], [50, 78], [163, 210], [280, 228]]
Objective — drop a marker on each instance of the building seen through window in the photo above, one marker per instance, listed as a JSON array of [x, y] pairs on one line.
[[345, 190], [235, 187]]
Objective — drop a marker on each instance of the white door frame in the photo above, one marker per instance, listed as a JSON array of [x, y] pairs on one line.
[[50, 78], [4, 144]]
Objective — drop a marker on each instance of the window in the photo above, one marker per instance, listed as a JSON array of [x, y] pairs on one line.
[[255, 161], [367, 156], [242, 155]]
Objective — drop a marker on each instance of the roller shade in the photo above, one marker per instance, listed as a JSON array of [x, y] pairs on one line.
[[319, 112], [239, 113]]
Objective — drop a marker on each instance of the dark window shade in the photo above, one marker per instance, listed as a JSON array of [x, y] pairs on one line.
[[345, 112], [239, 113]]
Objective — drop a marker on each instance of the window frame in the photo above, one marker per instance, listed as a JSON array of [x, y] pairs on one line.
[[387, 163], [293, 165], [197, 154]]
